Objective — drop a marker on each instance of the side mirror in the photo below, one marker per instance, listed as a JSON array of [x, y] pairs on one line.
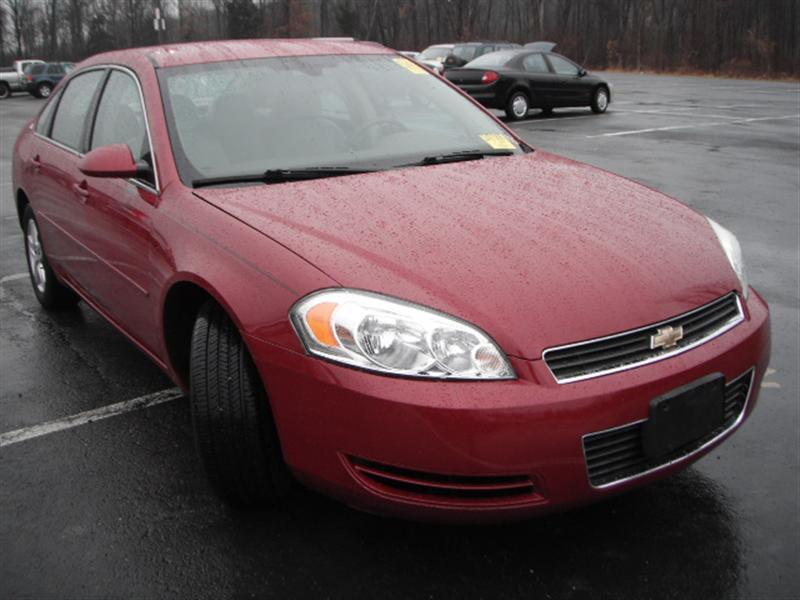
[[582, 73], [112, 161]]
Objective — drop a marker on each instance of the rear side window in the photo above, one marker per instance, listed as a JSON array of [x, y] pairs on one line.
[[76, 99], [562, 66], [120, 117], [55, 70], [535, 63], [36, 69], [43, 123]]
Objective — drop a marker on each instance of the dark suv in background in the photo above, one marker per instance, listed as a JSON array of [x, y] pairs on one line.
[[461, 54], [41, 78]]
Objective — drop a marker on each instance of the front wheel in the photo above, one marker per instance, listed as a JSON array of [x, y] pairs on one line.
[[5, 90], [233, 426], [518, 106], [50, 292], [43, 90], [600, 100]]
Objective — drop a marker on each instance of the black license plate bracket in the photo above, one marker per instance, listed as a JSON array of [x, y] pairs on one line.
[[684, 415]]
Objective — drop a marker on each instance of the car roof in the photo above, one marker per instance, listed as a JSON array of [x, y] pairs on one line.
[[541, 46], [172, 55]]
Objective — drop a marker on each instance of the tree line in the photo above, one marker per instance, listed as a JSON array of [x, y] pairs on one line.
[[747, 37]]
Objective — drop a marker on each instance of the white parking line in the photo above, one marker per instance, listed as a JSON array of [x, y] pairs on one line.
[[676, 113], [550, 120], [14, 277], [89, 416], [693, 126]]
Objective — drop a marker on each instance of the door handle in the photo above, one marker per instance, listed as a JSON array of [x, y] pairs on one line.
[[36, 162], [82, 189]]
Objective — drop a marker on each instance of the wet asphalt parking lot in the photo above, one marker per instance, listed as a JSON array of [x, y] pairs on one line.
[[120, 507]]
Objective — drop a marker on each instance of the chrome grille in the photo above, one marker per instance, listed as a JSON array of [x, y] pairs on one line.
[[617, 454], [626, 350]]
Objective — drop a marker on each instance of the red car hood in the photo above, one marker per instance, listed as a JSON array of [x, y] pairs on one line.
[[537, 250]]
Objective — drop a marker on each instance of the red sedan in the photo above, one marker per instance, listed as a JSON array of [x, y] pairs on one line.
[[367, 283]]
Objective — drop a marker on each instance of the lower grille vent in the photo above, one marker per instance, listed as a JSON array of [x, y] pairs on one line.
[[446, 488]]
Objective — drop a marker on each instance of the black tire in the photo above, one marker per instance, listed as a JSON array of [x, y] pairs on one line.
[[50, 292], [518, 106], [44, 89], [233, 426], [5, 90], [600, 100]]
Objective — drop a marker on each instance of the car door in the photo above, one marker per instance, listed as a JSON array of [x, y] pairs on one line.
[[573, 89], [55, 194], [542, 81], [119, 213]]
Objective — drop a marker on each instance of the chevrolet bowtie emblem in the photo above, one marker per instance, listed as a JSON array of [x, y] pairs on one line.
[[666, 337]]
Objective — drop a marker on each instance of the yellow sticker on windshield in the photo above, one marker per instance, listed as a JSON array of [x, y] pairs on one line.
[[410, 66], [498, 141]]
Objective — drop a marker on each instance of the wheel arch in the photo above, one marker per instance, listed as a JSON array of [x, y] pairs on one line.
[[181, 304], [185, 294], [520, 86], [21, 201], [605, 86]]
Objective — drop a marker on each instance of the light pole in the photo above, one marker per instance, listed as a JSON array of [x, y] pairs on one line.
[[159, 22]]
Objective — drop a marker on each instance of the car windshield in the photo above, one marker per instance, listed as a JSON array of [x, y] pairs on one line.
[[318, 112], [435, 52], [493, 59]]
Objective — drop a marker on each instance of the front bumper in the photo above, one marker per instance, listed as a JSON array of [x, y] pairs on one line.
[[450, 450]]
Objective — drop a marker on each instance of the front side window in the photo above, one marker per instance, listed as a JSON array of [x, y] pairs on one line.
[[35, 69], [120, 117], [70, 120], [359, 112], [535, 63], [562, 66], [43, 122], [54, 70]]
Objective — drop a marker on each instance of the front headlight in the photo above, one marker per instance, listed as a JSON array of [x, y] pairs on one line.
[[383, 334], [733, 251]]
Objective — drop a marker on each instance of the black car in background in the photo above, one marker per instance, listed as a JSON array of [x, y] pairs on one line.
[[517, 80], [39, 79], [461, 54]]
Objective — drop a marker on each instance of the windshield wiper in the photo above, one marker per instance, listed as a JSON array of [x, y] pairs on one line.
[[280, 176], [459, 156]]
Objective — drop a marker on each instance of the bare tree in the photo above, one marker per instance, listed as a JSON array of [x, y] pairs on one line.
[[19, 11], [731, 36]]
